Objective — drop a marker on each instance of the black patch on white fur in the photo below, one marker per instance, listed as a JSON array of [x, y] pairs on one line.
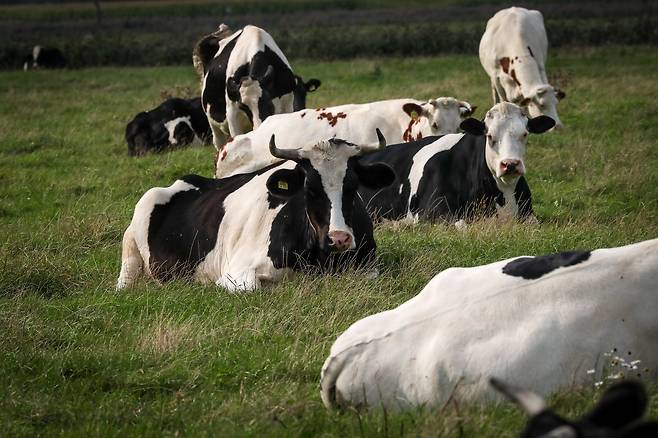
[[532, 268]]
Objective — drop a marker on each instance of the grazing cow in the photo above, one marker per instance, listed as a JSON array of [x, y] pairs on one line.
[[513, 53], [618, 414], [458, 176], [541, 322], [246, 78], [399, 120], [44, 57], [252, 228], [174, 123]]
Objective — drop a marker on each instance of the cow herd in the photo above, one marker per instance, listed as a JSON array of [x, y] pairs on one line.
[[298, 189]]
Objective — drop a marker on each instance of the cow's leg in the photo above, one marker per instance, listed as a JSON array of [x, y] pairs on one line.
[[240, 282], [494, 93], [131, 261], [499, 92], [219, 135], [235, 118]]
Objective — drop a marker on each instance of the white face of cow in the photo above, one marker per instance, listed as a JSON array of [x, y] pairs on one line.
[[506, 127], [506, 137], [446, 113], [438, 116], [330, 174], [543, 100]]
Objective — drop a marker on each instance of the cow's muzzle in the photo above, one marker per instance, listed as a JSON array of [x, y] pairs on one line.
[[511, 167], [340, 241]]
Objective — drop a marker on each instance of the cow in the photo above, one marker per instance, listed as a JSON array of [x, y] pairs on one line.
[[459, 176], [246, 78], [44, 57], [513, 52], [174, 123], [250, 229], [399, 120], [618, 414], [544, 322]]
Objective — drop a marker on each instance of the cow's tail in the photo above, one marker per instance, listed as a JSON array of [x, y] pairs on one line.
[[131, 261]]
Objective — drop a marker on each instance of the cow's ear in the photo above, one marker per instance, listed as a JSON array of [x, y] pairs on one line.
[[473, 126], [375, 176], [619, 406], [312, 84], [560, 94], [413, 110], [233, 89], [285, 183], [465, 109], [540, 124]]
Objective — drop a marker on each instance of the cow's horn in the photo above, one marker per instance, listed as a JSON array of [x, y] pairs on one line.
[[284, 154], [381, 144]]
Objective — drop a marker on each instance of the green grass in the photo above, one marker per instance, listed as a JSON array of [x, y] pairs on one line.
[[80, 359]]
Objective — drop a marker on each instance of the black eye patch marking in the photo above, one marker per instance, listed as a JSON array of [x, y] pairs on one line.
[[532, 268]]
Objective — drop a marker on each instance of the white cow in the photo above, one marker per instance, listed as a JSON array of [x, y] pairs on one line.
[[400, 120], [513, 52], [541, 322]]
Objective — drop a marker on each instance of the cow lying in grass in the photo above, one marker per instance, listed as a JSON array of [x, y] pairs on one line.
[[399, 120], [250, 229], [541, 322], [460, 175], [172, 124], [618, 414]]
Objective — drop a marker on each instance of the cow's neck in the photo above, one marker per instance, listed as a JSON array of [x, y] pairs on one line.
[[510, 207]]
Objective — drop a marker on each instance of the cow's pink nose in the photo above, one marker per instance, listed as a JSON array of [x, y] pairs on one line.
[[510, 167], [340, 240]]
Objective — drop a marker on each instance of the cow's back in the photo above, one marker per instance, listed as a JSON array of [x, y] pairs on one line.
[[469, 324], [509, 33]]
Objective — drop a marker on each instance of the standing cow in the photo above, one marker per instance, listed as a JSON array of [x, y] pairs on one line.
[[242, 231], [174, 123], [513, 52], [399, 120], [541, 322], [246, 78], [458, 176]]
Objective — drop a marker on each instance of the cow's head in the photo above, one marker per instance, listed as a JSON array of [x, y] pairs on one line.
[[138, 134], [443, 115], [543, 100], [301, 89], [506, 127], [206, 49], [617, 414], [328, 174]]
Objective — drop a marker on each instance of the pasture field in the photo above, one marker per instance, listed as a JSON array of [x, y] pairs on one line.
[[78, 358]]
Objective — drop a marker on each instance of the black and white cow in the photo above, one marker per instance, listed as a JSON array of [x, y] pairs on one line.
[[242, 231], [246, 78], [457, 176], [618, 414], [44, 57], [174, 123]]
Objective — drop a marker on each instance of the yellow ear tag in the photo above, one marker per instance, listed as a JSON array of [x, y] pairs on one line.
[[282, 185], [414, 115]]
